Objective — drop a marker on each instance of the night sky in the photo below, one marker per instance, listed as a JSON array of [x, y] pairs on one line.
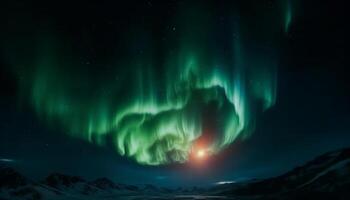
[[171, 92]]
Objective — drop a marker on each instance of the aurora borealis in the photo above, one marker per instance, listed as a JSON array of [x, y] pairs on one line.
[[151, 109], [153, 127], [171, 92]]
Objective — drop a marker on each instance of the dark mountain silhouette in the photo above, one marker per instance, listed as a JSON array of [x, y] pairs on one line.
[[104, 184], [14, 185], [9, 178], [325, 177], [58, 180]]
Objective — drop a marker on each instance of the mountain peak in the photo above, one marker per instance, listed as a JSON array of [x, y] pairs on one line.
[[10, 178], [57, 179], [103, 183]]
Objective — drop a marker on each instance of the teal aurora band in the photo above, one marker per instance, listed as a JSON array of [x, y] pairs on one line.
[[149, 101]]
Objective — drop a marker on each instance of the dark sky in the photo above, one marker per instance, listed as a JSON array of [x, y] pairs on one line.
[[310, 116]]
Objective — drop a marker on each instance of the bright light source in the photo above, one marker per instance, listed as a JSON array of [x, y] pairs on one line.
[[201, 153]]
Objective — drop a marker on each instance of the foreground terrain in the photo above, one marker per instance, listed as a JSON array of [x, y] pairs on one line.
[[326, 177]]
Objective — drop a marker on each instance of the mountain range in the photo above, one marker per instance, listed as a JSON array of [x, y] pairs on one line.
[[325, 177]]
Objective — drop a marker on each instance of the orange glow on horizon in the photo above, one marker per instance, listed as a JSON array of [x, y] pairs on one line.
[[200, 151]]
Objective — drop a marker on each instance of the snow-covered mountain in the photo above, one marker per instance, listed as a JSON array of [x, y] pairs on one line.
[[326, 177], [57, 186]]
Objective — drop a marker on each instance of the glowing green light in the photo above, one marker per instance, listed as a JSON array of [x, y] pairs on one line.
[[150, 111], [288, 16]]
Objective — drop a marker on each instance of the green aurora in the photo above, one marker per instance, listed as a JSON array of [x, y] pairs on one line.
[[152, 110], [288, 16]]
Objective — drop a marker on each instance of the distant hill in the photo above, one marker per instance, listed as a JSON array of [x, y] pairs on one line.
[[56, 186], [325, 177]]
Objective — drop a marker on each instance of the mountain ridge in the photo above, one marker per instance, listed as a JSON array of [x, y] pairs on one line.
[[325, 177]]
